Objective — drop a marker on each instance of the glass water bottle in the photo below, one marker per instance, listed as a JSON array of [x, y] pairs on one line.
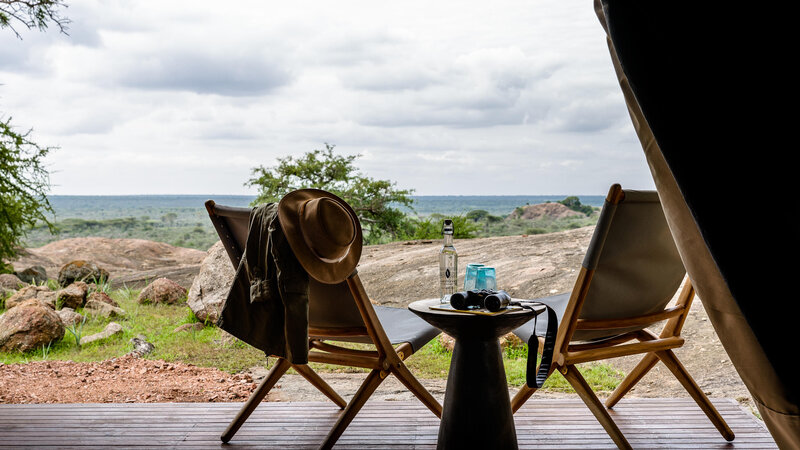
[[448, 264]]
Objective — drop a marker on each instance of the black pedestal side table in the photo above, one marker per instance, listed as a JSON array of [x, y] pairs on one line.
[[477, 410]]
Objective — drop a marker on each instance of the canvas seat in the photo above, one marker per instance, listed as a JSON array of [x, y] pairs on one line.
[[338, 312], [630, 274]]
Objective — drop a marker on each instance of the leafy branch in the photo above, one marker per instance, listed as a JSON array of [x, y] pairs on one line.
[[32, 14]]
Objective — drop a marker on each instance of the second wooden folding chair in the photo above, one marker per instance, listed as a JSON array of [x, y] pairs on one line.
[[629, 275]]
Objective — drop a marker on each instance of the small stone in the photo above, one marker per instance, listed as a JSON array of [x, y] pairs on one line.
[[141, 347], [111, 329], [69, 317], [510, 340], [447, 342], [196, 326], [102, 297], [163, 290], [72, 296], [103, 309]]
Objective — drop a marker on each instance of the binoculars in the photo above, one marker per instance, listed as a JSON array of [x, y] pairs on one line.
[[486, 298]]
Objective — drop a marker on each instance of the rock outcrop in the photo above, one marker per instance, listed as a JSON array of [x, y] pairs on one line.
[[129, 261], [554, 210], [28, 326], [211, 285], [164, 291]]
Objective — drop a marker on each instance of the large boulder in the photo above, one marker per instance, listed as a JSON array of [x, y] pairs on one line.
[[163, 290], [29, 326], [9, 281], [33, 275], [41, 293], [80, 270], [72, 296], [211, 286]]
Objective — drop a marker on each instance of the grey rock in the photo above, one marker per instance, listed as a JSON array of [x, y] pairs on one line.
[[33, 274], [112, 329], [140, 345], [29, 326], [211, 285]]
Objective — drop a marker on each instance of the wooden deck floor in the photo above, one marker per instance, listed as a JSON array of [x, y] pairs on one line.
[[542, 423]]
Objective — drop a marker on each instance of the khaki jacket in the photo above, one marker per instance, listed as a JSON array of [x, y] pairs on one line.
[[267, 306]]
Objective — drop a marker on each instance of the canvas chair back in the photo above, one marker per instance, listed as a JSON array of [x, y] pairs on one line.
[[330, 306], [637, 267]]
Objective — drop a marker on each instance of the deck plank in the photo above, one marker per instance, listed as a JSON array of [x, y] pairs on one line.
[[543, 423]]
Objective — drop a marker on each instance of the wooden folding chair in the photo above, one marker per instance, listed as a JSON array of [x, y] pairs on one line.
[[340, 312], [629, 275]]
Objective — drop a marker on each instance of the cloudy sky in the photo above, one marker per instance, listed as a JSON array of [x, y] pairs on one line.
[[469, 97]]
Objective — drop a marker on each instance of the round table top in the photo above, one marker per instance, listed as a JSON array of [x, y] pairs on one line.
[[461, 325]]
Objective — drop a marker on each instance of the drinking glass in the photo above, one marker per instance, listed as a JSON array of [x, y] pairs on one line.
[[486, 278], [471, 276]]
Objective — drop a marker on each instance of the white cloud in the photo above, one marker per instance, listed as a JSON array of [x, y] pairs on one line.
[[186, 97]]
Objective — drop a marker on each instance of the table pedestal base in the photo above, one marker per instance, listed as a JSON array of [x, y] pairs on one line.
[[477, 410]]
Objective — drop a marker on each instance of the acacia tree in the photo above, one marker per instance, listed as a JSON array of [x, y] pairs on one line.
[[374, 201], [24, 181]]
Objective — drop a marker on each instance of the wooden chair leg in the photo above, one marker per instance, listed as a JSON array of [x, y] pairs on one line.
[[280, 367], [410, 381], [525, 392], [648, 362], [590, 399], [362, 395], [319, 383], [676, 367], [521, 397]]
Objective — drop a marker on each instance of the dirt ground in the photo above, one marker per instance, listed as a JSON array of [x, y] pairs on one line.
[[528, 267]]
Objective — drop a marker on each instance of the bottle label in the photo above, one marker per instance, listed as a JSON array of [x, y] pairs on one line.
[[447, 273]]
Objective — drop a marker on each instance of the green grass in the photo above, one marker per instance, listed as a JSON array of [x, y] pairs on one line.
[[205, 348]]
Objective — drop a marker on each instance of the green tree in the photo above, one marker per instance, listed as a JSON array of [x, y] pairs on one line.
[[24, 181], [574, 203], [32, 14], [23, 187], [375, 202]]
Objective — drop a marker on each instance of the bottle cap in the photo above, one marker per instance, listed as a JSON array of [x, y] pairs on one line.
[[447, 226]]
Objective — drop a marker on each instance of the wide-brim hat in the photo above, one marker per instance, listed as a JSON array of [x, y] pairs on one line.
[[324, 233]]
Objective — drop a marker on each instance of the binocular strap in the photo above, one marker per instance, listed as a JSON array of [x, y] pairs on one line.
[[547, 351]]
